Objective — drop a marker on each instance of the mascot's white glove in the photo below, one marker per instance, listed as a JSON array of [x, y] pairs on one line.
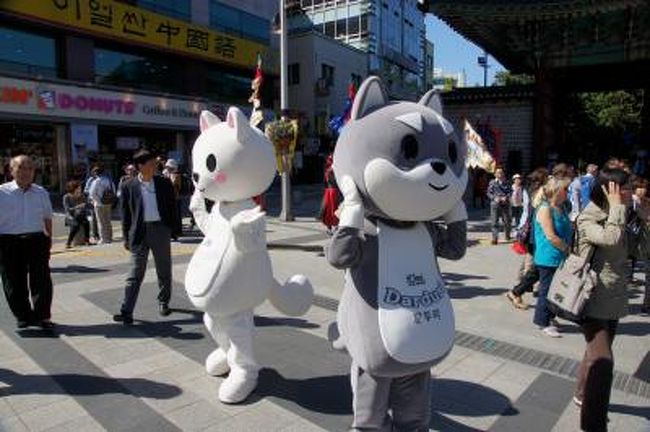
[[457, 214], [248, 228], [352, 214], [201, 215], [197, 202]]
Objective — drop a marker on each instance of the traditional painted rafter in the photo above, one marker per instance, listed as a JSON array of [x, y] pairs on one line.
[[527, 35]]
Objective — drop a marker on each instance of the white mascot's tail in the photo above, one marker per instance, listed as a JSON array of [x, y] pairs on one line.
[[294, 297]]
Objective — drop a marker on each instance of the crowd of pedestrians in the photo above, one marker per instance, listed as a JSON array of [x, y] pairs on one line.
[[603, 215]]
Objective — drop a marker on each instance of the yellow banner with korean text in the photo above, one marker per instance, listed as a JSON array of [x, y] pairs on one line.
[[133, 24]]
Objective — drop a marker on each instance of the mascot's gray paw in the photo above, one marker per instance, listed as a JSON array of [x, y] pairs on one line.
[[335, 338]]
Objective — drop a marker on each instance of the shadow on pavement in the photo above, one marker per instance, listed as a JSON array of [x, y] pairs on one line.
[[78, 269], [468, 399], [634, 328], [456, 277], [84, 385], [631, 410], [261, 321], [142, 329], [325, 394], [468, 292]]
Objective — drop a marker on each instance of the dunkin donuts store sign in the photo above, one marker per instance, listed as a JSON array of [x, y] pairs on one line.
[[71, 102]]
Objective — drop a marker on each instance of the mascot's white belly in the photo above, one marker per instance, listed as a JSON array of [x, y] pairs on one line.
[[416, 319], [222, 280]]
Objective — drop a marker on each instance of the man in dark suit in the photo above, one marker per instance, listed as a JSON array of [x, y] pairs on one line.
[[148, 216]]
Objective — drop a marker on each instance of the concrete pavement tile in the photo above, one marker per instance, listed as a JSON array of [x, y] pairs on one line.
[[123, 354], [12, 424], [476, 367], [266, 417], [182, 371], [511, 380], [138, 367], [456, 355], [569, 420], [196, 416], [163, 406], [302, 426], [24, 403], [5, 409], [629, 413], [81, 424], [52, 415]]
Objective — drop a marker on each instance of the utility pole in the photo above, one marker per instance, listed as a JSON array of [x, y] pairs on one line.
[[483, 62], [286, 214]]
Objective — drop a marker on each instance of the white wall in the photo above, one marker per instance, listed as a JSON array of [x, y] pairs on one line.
[[311, 50]]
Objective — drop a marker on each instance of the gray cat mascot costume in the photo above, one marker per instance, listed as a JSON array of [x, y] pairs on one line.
[[401, 169]]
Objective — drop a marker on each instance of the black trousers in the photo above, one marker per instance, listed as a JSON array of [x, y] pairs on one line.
[[79, 223], [527, 282], [25, 272]]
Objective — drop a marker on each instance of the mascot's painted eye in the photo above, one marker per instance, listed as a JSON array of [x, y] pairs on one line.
[[453, 152], [410, 147], [211, 163]]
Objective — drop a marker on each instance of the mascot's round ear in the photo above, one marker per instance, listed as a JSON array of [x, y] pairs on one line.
[[371, 95], [207, 119], [432, 100]]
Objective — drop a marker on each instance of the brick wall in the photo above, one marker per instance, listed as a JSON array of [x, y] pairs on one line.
[[512, 114]]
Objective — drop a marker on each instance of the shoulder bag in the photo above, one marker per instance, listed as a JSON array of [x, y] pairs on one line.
[[572, 283]]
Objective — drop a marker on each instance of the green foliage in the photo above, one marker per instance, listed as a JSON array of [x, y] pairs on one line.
[[505, 78], [619, 110]]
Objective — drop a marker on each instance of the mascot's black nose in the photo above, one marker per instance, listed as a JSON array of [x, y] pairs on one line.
[[195, 176], [439, 167]]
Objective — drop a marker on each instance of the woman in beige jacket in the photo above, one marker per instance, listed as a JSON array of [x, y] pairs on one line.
[[601, 225]]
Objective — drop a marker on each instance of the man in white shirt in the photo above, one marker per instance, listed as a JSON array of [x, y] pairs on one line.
[[103, 196], [25, 243], [148, 215]]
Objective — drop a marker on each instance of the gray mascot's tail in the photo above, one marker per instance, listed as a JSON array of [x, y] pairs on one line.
[[294, 297]]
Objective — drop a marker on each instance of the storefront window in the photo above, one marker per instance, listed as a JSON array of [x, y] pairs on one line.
[[180, 9], [34, 140], [27, 53], [143, 72], [239, 23], [227, 87]]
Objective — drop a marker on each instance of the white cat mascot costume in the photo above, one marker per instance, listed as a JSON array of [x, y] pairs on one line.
[[230, 273]]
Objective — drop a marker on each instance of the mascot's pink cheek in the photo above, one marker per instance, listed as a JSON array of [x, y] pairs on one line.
[[220, 177]]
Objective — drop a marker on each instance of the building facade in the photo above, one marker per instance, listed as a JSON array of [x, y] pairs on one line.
[[445, 81], [320, 72], [429, 63], [86, 82], [392, 32]]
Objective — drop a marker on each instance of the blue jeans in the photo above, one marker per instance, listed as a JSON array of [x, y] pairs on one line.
[[542, 315]]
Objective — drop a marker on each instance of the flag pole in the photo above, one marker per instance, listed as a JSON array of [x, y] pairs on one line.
[[285, 214]]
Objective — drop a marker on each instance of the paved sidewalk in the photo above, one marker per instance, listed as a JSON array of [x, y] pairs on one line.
[[502, 375]]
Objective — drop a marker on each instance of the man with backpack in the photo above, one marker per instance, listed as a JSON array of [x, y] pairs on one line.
[[103, 196], [586, 184]]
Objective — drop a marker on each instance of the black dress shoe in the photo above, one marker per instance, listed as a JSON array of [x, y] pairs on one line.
[[164, 310], [124, 319], [46, 325], [22, 324]]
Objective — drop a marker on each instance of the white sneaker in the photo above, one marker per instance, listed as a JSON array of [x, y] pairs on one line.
[[577, 401], [551, 331], [217, 363], [236, 388]]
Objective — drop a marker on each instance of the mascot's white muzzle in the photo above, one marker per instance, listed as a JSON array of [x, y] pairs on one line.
[[424, 193]]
